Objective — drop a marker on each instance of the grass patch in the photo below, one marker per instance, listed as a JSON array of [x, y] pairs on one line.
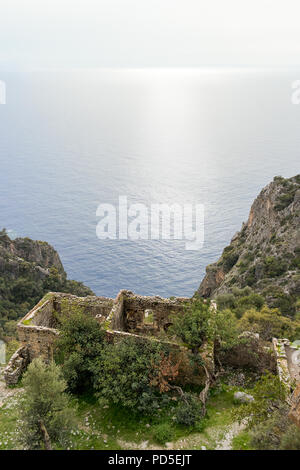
[[8, 422], [242, 441], [103, 427]]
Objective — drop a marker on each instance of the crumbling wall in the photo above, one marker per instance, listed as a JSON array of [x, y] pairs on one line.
[[293, 361], [116, 316], [124, 316], [16, 366], [136, 308], [98, 307], [37, 331], [38, 340], [43, 315], [294, 413], [250, 352], [288, 367]]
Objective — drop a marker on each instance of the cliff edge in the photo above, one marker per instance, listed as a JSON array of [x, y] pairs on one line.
[[28, 270], [265, 253]]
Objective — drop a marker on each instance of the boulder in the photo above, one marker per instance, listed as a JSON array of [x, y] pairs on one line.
[[243, 397]]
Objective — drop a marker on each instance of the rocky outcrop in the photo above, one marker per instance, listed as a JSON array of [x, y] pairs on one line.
[[24, 257], [28, 270], [265, 254]]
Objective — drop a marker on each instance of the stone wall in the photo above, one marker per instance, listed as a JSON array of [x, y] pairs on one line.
[[281, 361], [137, 308], [98, 307], [116, 317], [125, 316], [287, 368], [294, 414], [38, 340], [43, 315], [16, 366], [38, 330]]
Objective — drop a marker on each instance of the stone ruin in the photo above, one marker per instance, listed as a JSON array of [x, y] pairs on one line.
[[129, 315], [142, 318], [288, 361]]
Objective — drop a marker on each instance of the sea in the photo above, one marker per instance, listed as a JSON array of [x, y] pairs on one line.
[[72, 139]]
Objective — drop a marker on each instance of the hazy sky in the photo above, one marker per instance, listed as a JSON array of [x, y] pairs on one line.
[[138, 33]]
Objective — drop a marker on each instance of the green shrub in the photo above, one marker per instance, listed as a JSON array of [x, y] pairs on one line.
[[285, 303], [267, 434], [274, 267], [276, 432], [22, 288], [194, 326], [284, 200], [240, 300], [163, 433], [225, 301], [77, 348], [269, 394], [189, 411], [200, 425], [269, 323], [197, 325], [45, 407], [229, 260], [248, 301], [295, 264], [291, 439], [250, 278], [123, 373]]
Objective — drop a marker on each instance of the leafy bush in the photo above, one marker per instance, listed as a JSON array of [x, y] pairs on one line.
[[229, 260], [22, 288], [274, 267], [45, 410], [124, 372], [291, 439], [57, 282], [198, 324], [189, 411], [226, 331], [240, 300], [295, 264], [285, 199], [269, 393], [269, 323], [163, 433], [276, 432], [78, 346], [285, 303], [194, 326], [267, 434], [226, 301]]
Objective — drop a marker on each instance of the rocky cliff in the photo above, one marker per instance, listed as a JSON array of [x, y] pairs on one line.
[[265, 254], [24, 256], [29, 269]]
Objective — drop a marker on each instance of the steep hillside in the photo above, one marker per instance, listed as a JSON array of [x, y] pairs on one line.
[[29, 269], [265, 254]]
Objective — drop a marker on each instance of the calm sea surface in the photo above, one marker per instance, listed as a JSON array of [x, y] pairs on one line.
[[70, 140]]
